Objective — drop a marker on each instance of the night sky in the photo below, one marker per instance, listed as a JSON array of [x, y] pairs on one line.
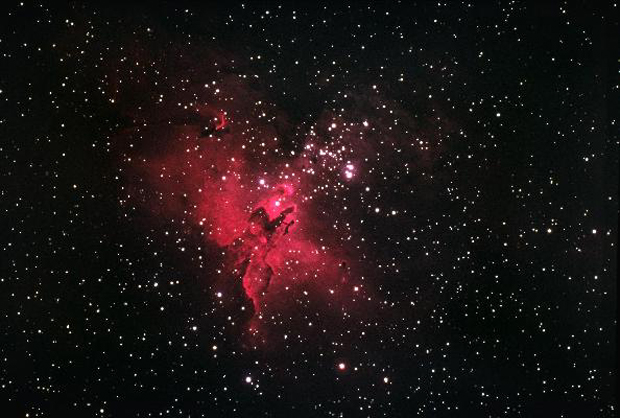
[[308, 209]]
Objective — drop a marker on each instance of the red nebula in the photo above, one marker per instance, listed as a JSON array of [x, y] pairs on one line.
[[257, 250], [221, 123], [276, 209], [261, 213]]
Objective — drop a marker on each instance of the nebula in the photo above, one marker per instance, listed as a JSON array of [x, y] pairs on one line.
[[253, 249], [264, 215], [270, 232], [290, 206]]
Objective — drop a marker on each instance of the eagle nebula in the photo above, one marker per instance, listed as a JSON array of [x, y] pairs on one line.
[[281, 203], [275, 216], [303, 209]]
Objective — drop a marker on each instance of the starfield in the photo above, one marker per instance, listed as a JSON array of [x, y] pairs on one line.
[[308, 209]]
